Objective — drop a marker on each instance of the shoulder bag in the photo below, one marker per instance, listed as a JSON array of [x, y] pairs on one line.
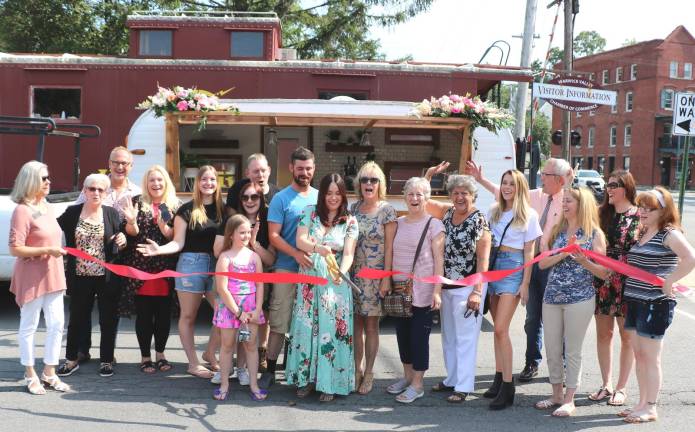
[[399, 302]]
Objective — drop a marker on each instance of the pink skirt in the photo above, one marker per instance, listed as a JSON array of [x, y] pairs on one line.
[[224, 318]]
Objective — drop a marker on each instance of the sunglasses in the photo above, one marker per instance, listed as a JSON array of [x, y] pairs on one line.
[[614, 185], [368, 180], [254, 197], [470, 312], [95, 189], [46, 178]]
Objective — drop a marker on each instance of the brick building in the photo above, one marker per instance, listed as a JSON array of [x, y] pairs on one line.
[[635, 134]]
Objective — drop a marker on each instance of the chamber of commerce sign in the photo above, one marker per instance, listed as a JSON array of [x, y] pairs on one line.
[[574, 94]]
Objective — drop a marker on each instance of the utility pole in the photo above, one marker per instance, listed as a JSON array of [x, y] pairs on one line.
[[522, 87], [569, 54]]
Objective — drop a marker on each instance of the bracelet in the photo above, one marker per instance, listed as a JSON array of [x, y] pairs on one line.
[[477, 292], [240, 313]]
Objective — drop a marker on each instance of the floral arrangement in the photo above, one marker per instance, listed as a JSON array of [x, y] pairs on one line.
[[482, 114], [179, 99]]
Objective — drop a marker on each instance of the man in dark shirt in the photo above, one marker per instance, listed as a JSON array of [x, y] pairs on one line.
[[257, 171]]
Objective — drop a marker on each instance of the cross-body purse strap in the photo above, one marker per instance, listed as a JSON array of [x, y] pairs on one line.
[[419, 245], [494, 257]]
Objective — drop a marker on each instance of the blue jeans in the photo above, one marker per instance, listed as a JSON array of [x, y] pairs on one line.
[[534, 315]]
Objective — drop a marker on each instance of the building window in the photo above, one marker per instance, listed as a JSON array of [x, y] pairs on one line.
[[667, 99], [247, 44], [618, 74], [592, 113], [626, 163], [591, 138], [628, 102], [589, 162], [600, 164], [611, 164], [57, 103], [668, 127], [330, 94], [613, 139], [604, 77], [688, 71], [579, 114], [673, 69], [628, 136], [155, 43], [592, 76], [423, 137], [577, 162], [633, 72]]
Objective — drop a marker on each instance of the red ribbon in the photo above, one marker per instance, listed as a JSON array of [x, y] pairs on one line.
[[495, 275], [132, 272]]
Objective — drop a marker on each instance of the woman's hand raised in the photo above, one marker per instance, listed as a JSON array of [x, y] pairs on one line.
[[151, 248]]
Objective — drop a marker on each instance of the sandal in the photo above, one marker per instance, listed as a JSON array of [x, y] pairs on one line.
[[367, 384], [326, 397], [34, 385], [546, 404], [201, 372], [220, 395], [398, 387], [259, 395], [214, 365], [600, 394], [616, 400], [147, 367], [305, 391], [641, 418], [53, 382], [410, 395], [625, 413], [441, 387], [565, 410], [359, 376], [163, 365], [457, 397]]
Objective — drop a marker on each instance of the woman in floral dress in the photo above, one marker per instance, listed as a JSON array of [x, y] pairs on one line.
[[619, 221], [320, 355], [377, 222]]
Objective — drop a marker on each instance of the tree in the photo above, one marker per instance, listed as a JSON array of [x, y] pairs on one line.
[[327, 29], [630, 41], [587, 43], [542, 129]]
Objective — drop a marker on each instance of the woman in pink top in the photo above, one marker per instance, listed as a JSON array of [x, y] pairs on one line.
[[413, 333], [38, 280]]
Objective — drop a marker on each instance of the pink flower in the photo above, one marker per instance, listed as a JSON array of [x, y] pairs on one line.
[[182, 106], [341, 327]]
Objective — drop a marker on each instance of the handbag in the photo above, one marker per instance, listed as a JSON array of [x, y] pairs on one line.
[[399, 302], [491, 266]]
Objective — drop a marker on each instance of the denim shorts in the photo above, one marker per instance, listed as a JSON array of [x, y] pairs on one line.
[[510, 285], [192, 262], [649, 320]]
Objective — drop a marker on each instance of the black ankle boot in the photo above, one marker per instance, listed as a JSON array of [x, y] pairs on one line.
[[505, 397], [495, 387]]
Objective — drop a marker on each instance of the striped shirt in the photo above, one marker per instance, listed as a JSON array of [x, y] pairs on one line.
[[656, 258]]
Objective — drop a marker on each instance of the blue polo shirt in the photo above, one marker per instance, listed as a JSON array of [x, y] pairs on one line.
[[286, 209]]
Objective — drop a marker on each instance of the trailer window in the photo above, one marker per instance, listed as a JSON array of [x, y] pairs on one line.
[[57, 103], [155, 43], [425, 137], [247, 44]]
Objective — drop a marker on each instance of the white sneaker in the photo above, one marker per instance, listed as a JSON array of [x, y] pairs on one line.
[[243, 376], [217, 378]]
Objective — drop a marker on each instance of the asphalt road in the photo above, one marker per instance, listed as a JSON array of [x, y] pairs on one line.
[[132, 401]]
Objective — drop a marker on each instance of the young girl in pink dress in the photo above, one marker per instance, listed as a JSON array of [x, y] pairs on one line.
[[239, 304]]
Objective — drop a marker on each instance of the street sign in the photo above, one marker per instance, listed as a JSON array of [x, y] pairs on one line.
[[574, 94], [684, 114]]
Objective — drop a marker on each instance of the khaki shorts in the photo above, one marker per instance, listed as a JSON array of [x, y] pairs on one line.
[[281, 304]]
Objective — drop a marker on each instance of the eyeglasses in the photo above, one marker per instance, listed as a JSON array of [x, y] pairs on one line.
[[119, 163], [549, 174], [254, 197], [95, 189], [46, 178], [614, 185], [368, 180], [646, 209], [470, 312]]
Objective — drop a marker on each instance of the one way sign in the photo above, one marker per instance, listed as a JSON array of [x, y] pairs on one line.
[[684, 114]]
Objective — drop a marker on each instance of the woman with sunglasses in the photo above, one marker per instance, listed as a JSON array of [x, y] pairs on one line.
[[620, 223], [251, 203], [663, 250], [376, 219], [95, 229], [38, 279], [570, 298]]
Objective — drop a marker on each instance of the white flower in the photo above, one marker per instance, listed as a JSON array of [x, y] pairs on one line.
[[325, 338]]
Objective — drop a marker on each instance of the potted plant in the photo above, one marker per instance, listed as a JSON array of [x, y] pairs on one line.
[[333, 135]]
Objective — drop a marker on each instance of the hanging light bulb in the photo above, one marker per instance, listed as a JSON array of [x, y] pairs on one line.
[[364, 141]]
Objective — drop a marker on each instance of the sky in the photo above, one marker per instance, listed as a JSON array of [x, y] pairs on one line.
[[459, 31]]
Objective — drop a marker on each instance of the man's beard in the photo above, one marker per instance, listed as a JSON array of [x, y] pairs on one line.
[[306, 181]]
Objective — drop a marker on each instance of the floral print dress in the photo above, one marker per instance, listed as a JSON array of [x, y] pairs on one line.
[[370, 253], [620, 237], [320, 344]]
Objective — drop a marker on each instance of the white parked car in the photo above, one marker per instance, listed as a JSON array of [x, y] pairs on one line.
[[584, 177]]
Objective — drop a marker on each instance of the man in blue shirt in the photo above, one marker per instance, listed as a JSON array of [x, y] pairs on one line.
[[283, 217]]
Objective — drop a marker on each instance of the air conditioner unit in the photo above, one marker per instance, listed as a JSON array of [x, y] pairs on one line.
[[288, 54]]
